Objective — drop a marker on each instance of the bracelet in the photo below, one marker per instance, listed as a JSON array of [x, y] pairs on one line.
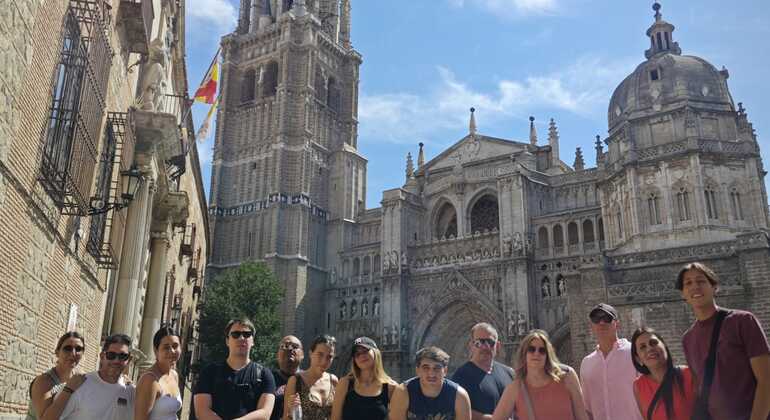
[[68, 389]]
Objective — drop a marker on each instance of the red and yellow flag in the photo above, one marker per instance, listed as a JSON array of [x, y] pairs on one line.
[[207, 91]]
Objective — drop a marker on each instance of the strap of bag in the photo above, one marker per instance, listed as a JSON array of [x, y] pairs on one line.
[[527, 400], [711, 360], [656, 398]]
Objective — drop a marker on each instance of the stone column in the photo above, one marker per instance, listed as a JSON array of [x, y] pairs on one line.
[[153, 300], [131, 262]]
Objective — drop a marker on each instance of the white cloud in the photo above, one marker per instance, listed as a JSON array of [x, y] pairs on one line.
[[512, 8], [220, 12], [582, 88]]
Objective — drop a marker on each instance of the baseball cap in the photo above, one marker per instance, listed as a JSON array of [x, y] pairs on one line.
[[605, 308], [364, 342]]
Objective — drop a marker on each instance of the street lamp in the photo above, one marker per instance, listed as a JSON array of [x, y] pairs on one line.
[[131, 181]]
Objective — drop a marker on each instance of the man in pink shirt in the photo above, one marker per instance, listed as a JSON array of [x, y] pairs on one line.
[[607, 375]]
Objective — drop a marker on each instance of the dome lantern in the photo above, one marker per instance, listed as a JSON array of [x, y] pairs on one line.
[[661, 36]]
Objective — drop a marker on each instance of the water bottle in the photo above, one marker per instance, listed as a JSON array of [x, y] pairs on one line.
[[296, 412]]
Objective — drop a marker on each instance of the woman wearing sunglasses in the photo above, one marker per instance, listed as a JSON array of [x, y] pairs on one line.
[[664, 391], [313, 389], [543, 389], [366, 391], [46, 400], [157, 394]]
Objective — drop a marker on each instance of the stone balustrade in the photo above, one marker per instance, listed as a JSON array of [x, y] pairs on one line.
[[464, 249]]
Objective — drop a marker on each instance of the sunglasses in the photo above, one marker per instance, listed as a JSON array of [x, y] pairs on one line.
[[533, 349], [111, 355], [73, 349], [484, 342], [238, 334], [602, 317], [290, 346]]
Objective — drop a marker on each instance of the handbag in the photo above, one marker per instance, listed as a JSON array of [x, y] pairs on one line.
[[701, 410]]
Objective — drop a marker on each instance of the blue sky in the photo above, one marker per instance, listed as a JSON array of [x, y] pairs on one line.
[[426, 62]]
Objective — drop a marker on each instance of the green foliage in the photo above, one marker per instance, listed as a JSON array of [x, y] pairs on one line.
[[250, 291]]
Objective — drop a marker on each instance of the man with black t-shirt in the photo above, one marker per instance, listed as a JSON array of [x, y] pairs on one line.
[[289, 357], [483, 377], [236, 389]]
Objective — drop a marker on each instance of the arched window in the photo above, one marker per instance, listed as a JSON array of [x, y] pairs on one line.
[[333, 94], [572, 233], [735, 203], [353, 308], [248, 85], [653, 208], [446, 222], [270, 79], [376, 264], [286, 6], [343, 310], [683, 204], [712, 209], [588, 231], [558, 236], [484, 214], [542, 238], [364, 308], [356, 267], [367, 265]]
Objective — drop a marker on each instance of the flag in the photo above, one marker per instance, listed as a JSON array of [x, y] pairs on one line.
[[208, 88], [203, 132]]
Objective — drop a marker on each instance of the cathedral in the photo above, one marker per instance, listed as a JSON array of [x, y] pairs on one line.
[[490, 229]]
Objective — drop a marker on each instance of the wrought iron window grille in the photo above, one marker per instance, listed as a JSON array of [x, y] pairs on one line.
[[78, 86]]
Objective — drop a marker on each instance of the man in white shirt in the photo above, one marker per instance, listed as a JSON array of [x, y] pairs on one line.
[[104, 395], [607, 375]]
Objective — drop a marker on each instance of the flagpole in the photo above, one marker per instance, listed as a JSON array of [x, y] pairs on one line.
[[216, 56]]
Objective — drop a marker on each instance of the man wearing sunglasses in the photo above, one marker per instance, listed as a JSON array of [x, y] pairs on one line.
[[607, 374], [484, 378], [238, 388], [104, 394], [289, 357]]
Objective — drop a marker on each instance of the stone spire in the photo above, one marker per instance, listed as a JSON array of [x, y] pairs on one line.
[[409, 166], [345, 23], [553, 141], [421, 156], [599, 148], [532, 131], [661, 36], [472, 124], [579, 162]]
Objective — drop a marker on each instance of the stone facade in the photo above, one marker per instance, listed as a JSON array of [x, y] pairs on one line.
[[490, 229], [63, 264]]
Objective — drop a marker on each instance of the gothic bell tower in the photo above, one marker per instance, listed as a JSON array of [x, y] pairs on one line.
[[287, 179]]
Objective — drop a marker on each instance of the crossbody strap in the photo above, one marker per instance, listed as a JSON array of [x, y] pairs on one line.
[[711, 360], [527, 400]]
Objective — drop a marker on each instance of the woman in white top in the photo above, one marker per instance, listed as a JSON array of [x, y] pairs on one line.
[[157, 394], [50, 391]]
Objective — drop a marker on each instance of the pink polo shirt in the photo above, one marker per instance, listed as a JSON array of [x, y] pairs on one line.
[[608, 383]]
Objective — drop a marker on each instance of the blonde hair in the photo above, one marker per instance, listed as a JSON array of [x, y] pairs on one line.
[[552, 363], [379, 369]]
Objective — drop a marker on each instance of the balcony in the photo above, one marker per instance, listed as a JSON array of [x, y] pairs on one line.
[[159, 130], [135, 17], [188, 243], [465, 249]]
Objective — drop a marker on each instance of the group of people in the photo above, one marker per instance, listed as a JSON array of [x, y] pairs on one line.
[[727, 376], [107, 394]]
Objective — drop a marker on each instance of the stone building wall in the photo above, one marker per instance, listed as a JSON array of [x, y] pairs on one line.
[[49, 281]]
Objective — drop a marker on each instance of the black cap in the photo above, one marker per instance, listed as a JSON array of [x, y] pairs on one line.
[[364, 342], [605, 308]]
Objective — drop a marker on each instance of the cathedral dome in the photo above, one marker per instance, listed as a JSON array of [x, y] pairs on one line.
[[667, 79]]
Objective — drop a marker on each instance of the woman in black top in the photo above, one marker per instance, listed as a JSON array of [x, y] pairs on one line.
[[367, 388]]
